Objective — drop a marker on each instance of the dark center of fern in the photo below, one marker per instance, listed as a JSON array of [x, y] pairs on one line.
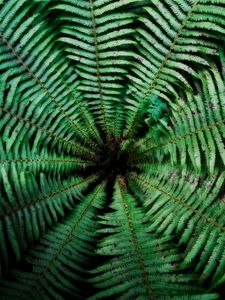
[[113, 161]]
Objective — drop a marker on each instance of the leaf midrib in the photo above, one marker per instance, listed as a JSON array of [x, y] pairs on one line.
[[94, 29], [136, 246]]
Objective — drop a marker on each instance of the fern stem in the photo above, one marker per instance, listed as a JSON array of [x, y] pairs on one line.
[[137, 248], [205, 218], [174, 140], [94, 29], [42, 160], [83, 112], [48, 132], [14, 209]]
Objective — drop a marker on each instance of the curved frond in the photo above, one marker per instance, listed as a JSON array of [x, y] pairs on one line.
[[175, 37], [61, 257], [196, 131], [141, 263], [193, 209], [99, 47], [29, 205]]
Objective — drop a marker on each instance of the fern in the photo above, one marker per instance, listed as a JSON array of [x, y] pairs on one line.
[[196, 132], [194, 212], [112, 149], [143, 266]]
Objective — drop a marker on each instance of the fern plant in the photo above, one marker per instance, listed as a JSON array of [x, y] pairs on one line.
[[112, 149]]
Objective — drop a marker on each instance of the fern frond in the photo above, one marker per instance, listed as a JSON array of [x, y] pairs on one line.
[[191, 208], [97, 47], [61, 256], [197, 128], [141, 266], [35, 65], [29, 205], [174, 38], [41, 160], [31, 123]]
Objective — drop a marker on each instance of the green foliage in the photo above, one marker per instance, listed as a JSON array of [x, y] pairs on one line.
[[196, 132], [143, 265], [62, 253], [155, 109], [191, 208], [112, 149]]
